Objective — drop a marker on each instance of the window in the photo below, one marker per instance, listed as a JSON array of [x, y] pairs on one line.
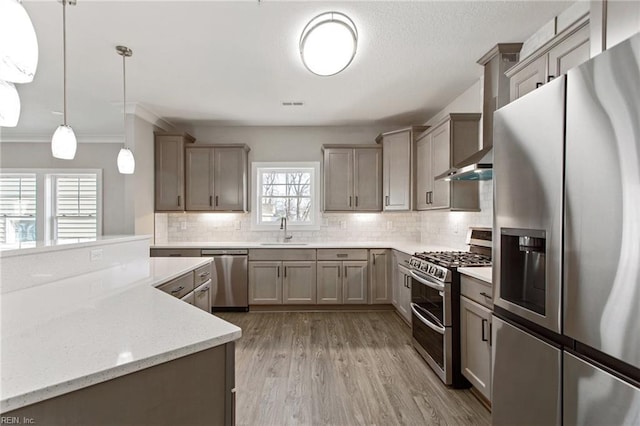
[[17, 208], [285, 190], [75, 208], [49, 204]]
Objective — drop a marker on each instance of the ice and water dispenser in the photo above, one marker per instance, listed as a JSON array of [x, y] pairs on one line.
[[522, 268]]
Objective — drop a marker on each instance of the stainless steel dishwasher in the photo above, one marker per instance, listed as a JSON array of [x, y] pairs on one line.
[[229, 279]]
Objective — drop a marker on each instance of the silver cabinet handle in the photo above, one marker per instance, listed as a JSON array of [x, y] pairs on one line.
[[339, 271], [484, 338], [342, 255], [177, 290], [426, 197], [485, 295], [350, 200], [285, 272], [210, 201], [278, 272], [356, 201], [204, 290], [216, 201], [374, 258], [386, 200], [345, 272], [178, 200], [204, 274]]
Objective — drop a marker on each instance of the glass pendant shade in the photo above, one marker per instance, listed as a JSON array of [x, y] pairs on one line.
[[9, 105], [18, 43], [328, 43], [63, 143], [126, 162]]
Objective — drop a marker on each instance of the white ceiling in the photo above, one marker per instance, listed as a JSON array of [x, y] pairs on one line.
[[234, 62]]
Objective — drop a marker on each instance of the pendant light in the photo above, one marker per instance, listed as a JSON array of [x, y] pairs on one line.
[[328, 43], [9, 104], [18, 43], [63, 143], [126, 162]]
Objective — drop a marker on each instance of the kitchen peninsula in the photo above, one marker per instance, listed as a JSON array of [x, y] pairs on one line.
[[74, 347]]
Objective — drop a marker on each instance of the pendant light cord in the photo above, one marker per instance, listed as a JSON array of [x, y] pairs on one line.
[[124, 99], [64, 60]]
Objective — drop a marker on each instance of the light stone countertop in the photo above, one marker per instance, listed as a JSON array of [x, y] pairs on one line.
[[29, 247], [73, 333], [403, 246], [483, 273]]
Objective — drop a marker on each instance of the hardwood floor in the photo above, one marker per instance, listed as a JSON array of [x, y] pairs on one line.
[[340, 368]]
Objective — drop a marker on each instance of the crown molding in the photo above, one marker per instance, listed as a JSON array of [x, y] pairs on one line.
[[145, 113]]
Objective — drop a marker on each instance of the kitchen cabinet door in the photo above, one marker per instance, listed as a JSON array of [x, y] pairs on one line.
[[169, 171], [395, 281], [202, 296], [338, 179], [528, 79], [199, 178], [380, 283], [424, 172], [354, 282], [396, 171], [299, 283], [230, 179], [367, 179], [573, 51], [475, 336], [265, 283], [441, 161], [329, 283], [404, 294]]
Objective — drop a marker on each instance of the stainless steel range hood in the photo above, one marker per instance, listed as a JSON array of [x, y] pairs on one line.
[[496, 61], [478, 166]]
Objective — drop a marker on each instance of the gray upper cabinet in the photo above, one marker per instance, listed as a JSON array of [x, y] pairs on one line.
[[169, 170], [352, 178], [397, 156], [216, 177], [567, 49], [452, 140]]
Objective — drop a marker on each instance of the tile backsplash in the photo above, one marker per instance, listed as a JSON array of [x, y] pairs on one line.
[[432, 227]]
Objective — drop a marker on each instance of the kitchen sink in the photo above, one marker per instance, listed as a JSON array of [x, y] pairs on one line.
[[283, 244]]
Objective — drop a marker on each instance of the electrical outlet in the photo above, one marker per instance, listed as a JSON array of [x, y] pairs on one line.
[[95, 255], [343, 224], [389, 225], [238, 225], [183, 226]]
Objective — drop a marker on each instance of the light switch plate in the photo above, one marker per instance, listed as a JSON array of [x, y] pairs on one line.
[[95, 255], [183, 226]]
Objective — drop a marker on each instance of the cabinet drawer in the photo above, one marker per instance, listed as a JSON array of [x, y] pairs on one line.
[[180, 286], [189, 298], [203, 274], [342, 254], [158, 252], [282, 254], [477, 290]]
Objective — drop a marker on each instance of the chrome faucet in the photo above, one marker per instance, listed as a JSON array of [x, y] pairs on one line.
[[283, 225]]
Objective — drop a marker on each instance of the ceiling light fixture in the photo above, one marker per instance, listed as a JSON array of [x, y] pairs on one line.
[[9, 104], [126, 162], [328, 43], [18, 43], [63, 142]]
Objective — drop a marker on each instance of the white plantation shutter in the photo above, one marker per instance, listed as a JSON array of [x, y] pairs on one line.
[[17, 207], [75, 206]]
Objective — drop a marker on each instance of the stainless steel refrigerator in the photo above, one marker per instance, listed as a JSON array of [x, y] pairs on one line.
[[566, 328]]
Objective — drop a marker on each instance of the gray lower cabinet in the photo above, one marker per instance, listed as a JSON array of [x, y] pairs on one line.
[[216, 178], [202, 296], [342, 282], [352, 178], [475, 332], [475, 338], [265, 283], [299, 283], [379, 279], [282, 282], [403, 293]]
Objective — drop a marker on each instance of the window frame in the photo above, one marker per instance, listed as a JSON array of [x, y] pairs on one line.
[[6, 218], [45, 226], [256, 178], [54, 216]]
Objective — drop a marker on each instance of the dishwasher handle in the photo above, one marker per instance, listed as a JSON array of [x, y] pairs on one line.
[[222, 252]]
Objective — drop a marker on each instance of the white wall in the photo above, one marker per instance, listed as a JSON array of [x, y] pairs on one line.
[[143, 185], [88, 156]]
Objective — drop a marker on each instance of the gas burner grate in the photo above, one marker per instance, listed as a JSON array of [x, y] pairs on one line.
[[455, 259]]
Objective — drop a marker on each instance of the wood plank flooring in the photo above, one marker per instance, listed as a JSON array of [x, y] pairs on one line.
[[340, 368]]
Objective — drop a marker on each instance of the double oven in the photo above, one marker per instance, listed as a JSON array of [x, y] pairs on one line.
[[435, 304]]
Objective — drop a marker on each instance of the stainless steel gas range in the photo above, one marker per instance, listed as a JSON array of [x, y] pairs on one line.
[[435, 304]]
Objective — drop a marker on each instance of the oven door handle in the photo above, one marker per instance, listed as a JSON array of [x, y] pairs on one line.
[[424, 280], [426, 322]]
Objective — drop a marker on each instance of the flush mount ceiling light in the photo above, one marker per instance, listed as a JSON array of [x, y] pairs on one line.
[[9, 104], [126, 162], [18, 43], [63, 143], [328, 43]]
